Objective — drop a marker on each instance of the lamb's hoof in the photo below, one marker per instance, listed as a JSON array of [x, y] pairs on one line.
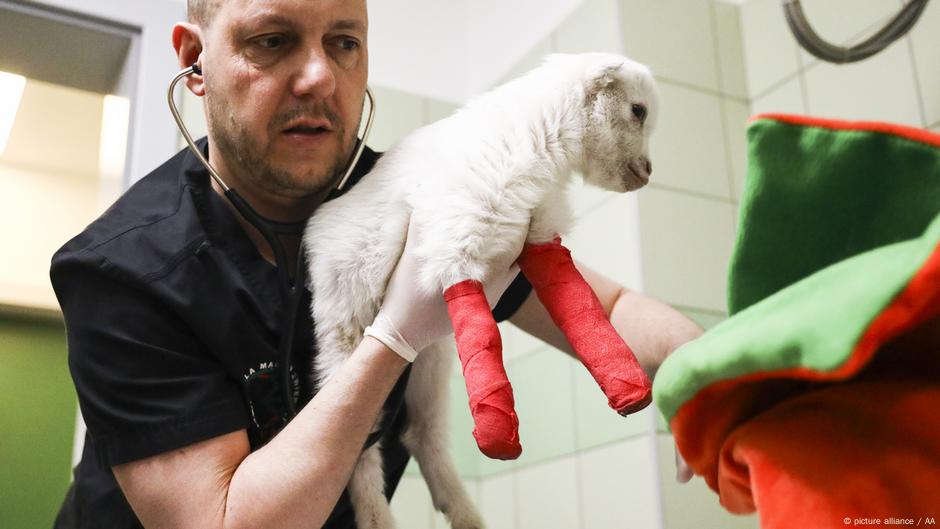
[[631, 398], [497, 432]]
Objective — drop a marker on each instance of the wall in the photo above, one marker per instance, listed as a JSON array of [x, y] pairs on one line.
[[37, 411], [901, 84]]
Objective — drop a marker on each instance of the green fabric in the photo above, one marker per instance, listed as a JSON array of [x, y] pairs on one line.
[[833, 226], [814, 323], [814, 196]]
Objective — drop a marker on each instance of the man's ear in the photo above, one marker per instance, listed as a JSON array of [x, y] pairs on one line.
[[187, 41]]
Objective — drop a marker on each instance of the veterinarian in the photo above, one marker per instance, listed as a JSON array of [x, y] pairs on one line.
[[173, 314]]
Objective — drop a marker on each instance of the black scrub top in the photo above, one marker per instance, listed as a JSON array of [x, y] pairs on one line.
[[172, 318]]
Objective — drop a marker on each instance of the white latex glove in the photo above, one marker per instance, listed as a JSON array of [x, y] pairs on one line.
[[683, 472], [410, 320]]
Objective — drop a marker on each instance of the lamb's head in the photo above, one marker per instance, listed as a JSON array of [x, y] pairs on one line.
[[619, 112]]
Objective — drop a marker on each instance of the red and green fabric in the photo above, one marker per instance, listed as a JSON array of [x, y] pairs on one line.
[[818, 399]]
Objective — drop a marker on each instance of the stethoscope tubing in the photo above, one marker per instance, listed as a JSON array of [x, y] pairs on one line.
[[290, 289]]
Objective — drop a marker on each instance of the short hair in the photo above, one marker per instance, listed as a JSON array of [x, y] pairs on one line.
[[200, 11]]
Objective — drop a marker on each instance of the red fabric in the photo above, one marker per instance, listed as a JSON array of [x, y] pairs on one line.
[[858, 452], [911, 133], [496, 427], [576, 310], [809, 449]]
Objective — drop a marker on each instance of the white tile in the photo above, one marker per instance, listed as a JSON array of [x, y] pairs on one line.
[[686, 243], [547, 495], [606, 240], [593, 26], [786, 99], [730, 49], [846, 22], [396, 114], [926, 38], [498, 501], [692, 504], [769, 47], [736, 116], [673, 37], [618, 485], [880, 88], [411, 504], [687, 148]]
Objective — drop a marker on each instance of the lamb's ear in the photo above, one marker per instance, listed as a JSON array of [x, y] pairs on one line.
[[602, 79]]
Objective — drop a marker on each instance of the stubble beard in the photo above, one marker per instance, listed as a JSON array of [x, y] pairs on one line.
[[251, 157]]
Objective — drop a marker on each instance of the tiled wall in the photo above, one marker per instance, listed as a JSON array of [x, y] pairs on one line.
[[901, 84]]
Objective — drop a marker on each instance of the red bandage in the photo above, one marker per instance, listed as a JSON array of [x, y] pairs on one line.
[[481, 354], [576, 310]]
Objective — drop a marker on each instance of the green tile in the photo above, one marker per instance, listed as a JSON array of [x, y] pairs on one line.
[[396, 114], [437, 110], [543, 394], [596, 422]]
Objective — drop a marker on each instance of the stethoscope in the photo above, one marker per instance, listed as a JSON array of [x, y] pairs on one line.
[[290, 288]]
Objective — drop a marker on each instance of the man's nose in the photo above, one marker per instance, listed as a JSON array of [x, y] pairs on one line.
[[315, 77]]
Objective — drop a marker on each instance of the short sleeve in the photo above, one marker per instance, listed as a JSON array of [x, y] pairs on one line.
[[145, 383], [512, 298]]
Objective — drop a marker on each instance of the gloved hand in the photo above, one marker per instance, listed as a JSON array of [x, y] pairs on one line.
[[409, 319], [683, 472]]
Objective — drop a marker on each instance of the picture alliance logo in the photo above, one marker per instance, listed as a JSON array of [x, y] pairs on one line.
[[922, 521]]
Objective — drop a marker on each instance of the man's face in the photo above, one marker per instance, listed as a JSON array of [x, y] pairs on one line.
[[285, 82]]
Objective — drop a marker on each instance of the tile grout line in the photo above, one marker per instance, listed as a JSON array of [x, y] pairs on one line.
[[712, 312], [801, 75], [917, 85], [578, 471], [722, 104], [697, 88], [560, 457], [697, 194]]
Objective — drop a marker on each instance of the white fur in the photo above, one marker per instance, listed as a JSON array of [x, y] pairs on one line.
[[476, 183]]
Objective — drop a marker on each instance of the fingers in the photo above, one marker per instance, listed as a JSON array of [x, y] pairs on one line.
[[683, 472]]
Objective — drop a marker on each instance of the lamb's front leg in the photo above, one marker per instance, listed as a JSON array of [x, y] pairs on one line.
[[480, 348], [575, 309]]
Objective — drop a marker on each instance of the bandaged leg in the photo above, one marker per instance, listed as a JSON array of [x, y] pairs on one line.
[[496, 427], [576, 310]]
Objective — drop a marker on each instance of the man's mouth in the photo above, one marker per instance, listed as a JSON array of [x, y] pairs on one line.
[[308, 129]]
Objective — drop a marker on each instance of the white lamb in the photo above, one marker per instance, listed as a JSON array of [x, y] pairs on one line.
[[476, 184]]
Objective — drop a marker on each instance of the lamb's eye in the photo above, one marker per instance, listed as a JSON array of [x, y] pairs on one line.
[[639, 111]]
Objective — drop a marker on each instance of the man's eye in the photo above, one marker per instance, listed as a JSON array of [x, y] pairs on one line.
[[348, 44], [271, 41]]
